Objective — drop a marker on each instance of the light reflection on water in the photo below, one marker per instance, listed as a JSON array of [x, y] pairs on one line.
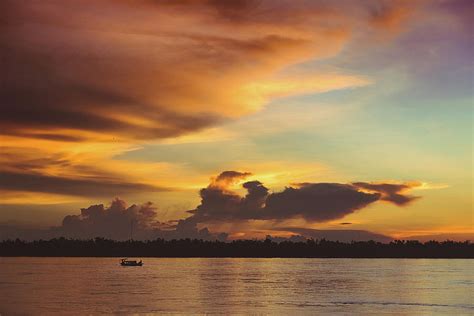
[[236, 286]]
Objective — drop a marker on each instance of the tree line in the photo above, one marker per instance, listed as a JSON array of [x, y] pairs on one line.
[[100, 247]]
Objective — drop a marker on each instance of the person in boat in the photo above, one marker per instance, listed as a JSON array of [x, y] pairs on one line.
[[126, 262]]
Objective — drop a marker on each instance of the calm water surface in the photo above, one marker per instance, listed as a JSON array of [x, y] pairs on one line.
[[237, 286]]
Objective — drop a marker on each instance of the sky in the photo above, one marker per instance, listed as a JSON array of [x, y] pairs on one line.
[[237, 119]]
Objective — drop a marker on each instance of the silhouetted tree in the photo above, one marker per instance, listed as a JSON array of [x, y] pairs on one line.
[[101, 247]]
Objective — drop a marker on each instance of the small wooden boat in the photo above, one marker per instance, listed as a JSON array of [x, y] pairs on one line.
[[130, 263]]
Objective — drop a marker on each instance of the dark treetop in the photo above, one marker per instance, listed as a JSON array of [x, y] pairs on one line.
[[100, 247]]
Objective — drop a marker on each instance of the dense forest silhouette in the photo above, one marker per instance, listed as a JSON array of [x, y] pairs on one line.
[[100, 247]]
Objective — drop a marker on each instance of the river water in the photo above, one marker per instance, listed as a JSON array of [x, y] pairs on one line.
[[84, 286]]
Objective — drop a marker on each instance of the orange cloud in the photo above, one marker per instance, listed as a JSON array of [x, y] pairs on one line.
[[147, 70], [86, 81]]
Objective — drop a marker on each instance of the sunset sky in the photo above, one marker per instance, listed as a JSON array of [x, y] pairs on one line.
[[244, 117]]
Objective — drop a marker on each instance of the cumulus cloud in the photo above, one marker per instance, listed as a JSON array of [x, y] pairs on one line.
[[117, 221], [314, 202], [120, 221]]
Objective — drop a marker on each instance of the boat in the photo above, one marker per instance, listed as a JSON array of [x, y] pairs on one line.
[[130, 263]]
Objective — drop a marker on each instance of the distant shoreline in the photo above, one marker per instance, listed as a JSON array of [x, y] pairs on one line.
[[157, 257], [188, 248]]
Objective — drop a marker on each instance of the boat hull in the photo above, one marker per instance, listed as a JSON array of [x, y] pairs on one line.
[[131, 264]]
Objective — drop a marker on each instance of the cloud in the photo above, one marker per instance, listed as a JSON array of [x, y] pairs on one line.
[[116, 221], [30, 182], [390, 192], [317, 201], [346, 235], [139, 71], [226, 178], [35, 171], [390, 14], [314, 202], [441, 237], [77, 76]]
